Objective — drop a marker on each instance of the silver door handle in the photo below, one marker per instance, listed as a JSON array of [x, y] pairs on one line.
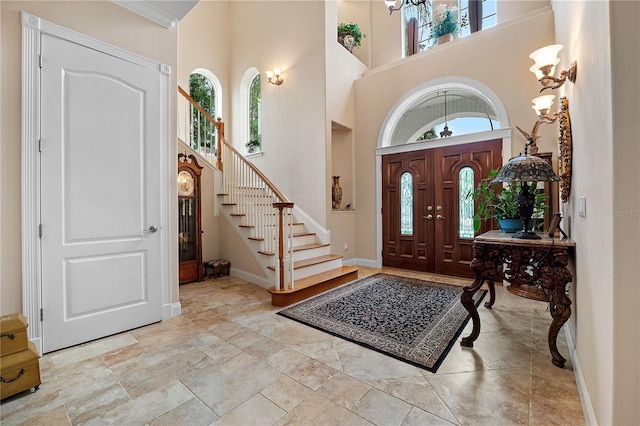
[[429, 217], [440, 217], [152, 228]]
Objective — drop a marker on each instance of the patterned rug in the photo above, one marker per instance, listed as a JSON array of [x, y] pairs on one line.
[[412, 320]]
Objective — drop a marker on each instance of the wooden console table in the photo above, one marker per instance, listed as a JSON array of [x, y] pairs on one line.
[[541, 263]]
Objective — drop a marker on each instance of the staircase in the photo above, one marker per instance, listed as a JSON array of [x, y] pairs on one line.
[[292, 257], [312, 268]]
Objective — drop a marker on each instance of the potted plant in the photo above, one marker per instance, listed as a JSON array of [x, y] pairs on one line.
[[445, 23], [350, 35], [493, 201], [253, 146]]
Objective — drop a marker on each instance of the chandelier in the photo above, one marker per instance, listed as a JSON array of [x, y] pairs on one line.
[[391, 4], [446, 132]]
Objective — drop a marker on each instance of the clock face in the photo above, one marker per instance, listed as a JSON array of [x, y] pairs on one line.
[[185, 184]]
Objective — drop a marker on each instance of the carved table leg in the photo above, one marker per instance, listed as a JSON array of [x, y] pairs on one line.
[[492, 294], [560, 305], [467, 301]]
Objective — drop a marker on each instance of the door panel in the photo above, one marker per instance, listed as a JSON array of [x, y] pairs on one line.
[[100, 191], [412, 250], [436, 243]]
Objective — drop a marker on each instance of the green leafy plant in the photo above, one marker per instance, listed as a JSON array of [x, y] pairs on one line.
[[493, 201], [351, 29], [253, 145], [445, 21]]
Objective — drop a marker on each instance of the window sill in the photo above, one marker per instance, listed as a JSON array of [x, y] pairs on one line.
[[253, 154]]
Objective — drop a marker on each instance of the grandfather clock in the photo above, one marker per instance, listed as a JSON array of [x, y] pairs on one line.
[[189, 226]]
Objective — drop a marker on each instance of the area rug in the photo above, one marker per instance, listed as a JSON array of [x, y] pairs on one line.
[[412, 320]]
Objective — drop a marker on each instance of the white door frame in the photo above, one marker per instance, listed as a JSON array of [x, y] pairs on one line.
[[395, 114], [32, 28]]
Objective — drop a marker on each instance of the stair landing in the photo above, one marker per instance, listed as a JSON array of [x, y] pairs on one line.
[[307, 287]]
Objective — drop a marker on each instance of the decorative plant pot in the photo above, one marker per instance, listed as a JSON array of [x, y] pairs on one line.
[[510, 225], [347, 40], [445, 38]]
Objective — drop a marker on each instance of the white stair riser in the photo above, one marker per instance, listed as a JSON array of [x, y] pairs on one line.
[[308, 254], [316, 269], [304, 240]]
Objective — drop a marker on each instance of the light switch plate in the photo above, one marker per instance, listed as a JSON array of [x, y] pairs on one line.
[[582, 206]]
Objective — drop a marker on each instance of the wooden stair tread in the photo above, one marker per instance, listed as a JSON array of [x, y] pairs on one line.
[[304, 234], [246, 226], [313, 285], [310, 246], [266, 253], [256, 238], [237, 214], [312, 261]]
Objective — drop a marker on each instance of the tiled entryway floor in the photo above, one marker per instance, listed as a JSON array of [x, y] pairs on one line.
[[229, 360]]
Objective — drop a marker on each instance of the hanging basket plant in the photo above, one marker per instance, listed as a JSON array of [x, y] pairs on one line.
[[350, 35]]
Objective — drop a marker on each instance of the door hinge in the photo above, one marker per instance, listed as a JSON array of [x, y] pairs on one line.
[[40, 61], [41, 314], [40, 231], [39, 145]]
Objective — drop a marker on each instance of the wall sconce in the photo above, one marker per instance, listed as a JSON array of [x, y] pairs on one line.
[[274, 77], [542, 105], [546, 60], [391, 4]]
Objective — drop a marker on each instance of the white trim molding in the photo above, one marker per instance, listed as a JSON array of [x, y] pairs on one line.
[[396, 113]]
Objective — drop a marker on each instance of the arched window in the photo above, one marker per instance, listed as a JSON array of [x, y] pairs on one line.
[[205, 89], [254, 143], [406, 204], [441, 113]]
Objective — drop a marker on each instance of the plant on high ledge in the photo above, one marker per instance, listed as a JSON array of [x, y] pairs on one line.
[[446, 21], [350, 35]]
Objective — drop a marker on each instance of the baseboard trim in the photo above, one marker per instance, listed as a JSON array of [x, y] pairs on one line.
[[252, 278], [587, 407], [171, 310], [355, 261]]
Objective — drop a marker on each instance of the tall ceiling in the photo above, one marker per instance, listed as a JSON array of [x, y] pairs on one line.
[[164, 12]]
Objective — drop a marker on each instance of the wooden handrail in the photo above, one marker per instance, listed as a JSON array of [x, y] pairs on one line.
[[266, 180], [220, 127], [246, 168]]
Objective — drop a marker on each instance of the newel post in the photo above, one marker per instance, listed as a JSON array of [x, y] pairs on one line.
[[220, 126], [281, 206]]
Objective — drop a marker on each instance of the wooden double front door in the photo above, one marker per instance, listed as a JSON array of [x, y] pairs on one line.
[[426, 220]]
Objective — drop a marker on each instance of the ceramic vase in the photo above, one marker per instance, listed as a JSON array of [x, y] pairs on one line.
[[336, 193]]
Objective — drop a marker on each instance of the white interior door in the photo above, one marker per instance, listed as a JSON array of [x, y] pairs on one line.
[[100, 194]]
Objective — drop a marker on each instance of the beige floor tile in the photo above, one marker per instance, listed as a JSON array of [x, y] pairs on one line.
[[256, 411], [224, 387], [191, 413], [418, 417], [230, 357], [380, 408], [57, 416], [344, 390], [489, 397], [312, 374], [147, 407], [317, 410], [70, 356], [286, 393], [418, 392]]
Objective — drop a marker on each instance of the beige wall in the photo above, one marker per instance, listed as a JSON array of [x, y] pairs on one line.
[[102, 20], [497, 58], [605, 126], [293, 114]]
